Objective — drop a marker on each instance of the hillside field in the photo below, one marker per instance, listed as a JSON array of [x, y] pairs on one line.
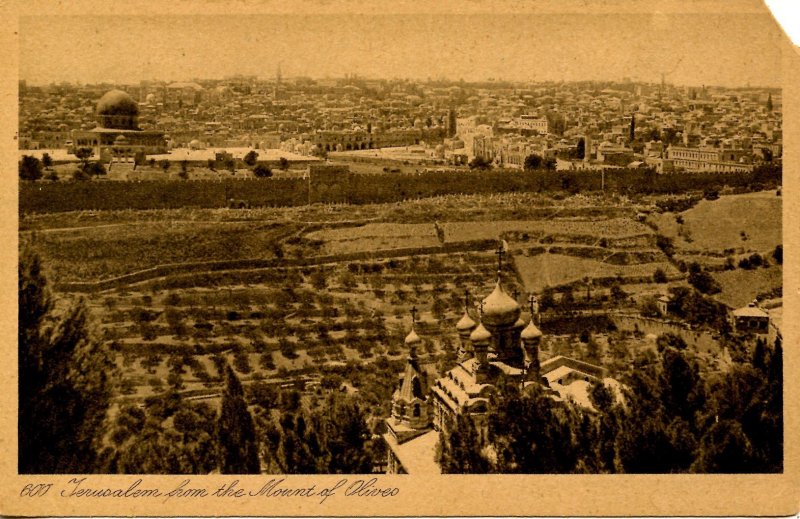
[[751, 222]]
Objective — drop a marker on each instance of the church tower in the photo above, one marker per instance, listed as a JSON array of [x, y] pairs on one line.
[[531, 338], [464, 328], [410, 414], [410, 421]]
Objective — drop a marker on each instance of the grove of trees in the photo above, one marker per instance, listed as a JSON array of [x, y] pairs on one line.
[[670, 420]]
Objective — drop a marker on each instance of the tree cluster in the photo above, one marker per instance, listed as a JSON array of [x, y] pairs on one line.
[[65, 380], [332, 438], [671, 419]]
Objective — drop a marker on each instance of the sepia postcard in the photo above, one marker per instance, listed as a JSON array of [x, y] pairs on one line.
[[340, 258]]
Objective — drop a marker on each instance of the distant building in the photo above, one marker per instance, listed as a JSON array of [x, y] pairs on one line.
[[117, 134], [525, 125], [709, 159], [750, 319], [350, 140], [614, 154]]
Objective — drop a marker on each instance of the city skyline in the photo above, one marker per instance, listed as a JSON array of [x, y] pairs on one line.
[[475, 47]]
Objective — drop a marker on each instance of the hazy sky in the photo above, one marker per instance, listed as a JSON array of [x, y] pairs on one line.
[[691, 49]]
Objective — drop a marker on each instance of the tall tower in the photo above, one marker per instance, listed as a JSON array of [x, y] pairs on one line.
[[410, 401], [450, 123]]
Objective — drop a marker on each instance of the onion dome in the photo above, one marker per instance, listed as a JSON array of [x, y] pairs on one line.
[[531, 332], [412, 339], [499, 308], [480, 334], [520, 323], [465, 323], [117, 102]]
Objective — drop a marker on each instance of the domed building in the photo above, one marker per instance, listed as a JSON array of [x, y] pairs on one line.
[[117, 135], [497, 343]]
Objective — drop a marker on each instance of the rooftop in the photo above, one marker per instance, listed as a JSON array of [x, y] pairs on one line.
[[417, 455]]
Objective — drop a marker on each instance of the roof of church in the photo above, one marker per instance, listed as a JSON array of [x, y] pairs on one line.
[[480, 334], [407, 392], [465, 323], [458, 386], [499, 307], [412, 337], [418, 455], [531, 331]]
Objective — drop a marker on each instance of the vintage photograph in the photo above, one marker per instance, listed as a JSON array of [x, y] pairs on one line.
[[386, 243]]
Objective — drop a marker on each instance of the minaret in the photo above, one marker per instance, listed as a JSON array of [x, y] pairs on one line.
[[276, 87]]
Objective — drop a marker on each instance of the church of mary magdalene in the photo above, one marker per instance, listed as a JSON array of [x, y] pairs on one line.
[[498, 341]]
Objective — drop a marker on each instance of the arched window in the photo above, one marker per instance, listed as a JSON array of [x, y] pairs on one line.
[[416, 410]]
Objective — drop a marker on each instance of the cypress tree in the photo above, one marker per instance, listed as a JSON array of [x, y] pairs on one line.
[[633, 126], [236, 435]]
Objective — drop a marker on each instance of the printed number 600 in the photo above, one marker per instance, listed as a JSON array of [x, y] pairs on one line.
[[38, 490]]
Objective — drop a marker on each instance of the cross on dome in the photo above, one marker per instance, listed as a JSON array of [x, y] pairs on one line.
[[500, 253]]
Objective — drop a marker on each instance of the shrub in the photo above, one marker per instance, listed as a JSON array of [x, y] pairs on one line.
[[777, 254], [287, 348], [649, 307], [670, 340], [241, 361], [251, 158], [30, 168], [665, 244], [265, 361], [262, 171], [704, 283], [729, 264]]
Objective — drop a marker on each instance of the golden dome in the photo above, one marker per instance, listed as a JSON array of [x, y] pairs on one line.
[[465, 323], [480, 334], [499, 308], [531, 332], [412, 338]]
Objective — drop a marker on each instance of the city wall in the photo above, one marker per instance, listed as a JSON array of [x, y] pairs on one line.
[[50, 197]]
